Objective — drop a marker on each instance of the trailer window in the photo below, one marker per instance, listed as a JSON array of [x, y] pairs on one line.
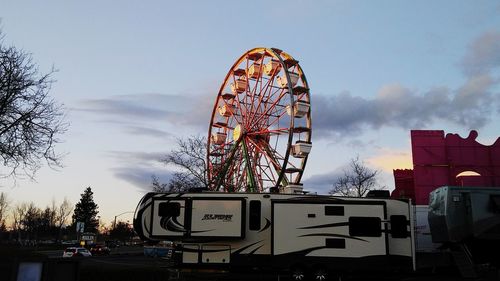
[[334, 210], [399, 226], [365, 226], [254, 220], [335, 243], [169, 209]]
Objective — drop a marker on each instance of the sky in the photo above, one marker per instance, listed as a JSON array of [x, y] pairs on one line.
[[135, 75]]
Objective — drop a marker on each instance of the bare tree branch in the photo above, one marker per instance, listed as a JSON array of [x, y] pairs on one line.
[[4, 207], [157, 185], [189, 157], [30, 121]]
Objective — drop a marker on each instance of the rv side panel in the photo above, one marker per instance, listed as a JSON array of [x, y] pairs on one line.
[[347, 229]]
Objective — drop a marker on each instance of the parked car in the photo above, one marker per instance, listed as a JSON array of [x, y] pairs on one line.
[[112, 244], [100, 250], [71, 252]]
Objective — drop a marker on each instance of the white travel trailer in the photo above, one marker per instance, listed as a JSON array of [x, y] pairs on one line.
[[299, 233]]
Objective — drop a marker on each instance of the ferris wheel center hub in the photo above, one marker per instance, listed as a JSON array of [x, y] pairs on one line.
[[238, 132]]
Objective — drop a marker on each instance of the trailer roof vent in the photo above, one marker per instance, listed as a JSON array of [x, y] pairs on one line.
[[296, 188], [378, 194]]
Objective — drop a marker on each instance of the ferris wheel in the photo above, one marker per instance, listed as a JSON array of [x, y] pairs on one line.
[[259, 136]]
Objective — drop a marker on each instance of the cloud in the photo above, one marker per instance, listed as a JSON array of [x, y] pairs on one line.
[[470, 105], [141, 176], [142, 109], [388, 159], [322, 183], [151, 132], [483, 54], [123, 108], [147, 106], [474, 101], [137, 168], [396, 106], [143, 158]]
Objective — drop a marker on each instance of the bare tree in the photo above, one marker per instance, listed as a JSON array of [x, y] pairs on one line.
[[30, 120], [190, 158], [31, 221], [63, 213], [18, 215], [50, 213], [4, 208], [356, 181]]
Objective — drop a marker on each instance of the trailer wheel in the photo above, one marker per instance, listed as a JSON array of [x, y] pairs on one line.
[[297, 273], [320, 274]]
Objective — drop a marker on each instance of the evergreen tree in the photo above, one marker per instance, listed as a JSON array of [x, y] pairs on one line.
[[86, 211]]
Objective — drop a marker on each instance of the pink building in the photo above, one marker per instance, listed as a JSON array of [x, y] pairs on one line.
[[440, 160]]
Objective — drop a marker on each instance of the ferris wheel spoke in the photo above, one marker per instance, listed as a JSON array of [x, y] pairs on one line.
[[277, 116], [248, 165], [265, 153], [237, 175], [226, 164], [269, 132], [267, 92], [261, 167], [268, 166], [273, 105], [256, 166], [234, 174], [263, 93], [278, 168]]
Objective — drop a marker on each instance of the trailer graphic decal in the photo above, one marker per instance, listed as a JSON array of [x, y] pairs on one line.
[[220, 217], [171, 224], [268, 224], [332, 235], [146, 227], [248, 246], [326, 225]]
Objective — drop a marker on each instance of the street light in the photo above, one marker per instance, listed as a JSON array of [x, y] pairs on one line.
[[114, 223]]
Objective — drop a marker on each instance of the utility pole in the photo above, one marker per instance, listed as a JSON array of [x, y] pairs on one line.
[[114, 223]]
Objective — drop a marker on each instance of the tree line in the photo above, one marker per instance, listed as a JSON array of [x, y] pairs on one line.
[[26, 223]]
